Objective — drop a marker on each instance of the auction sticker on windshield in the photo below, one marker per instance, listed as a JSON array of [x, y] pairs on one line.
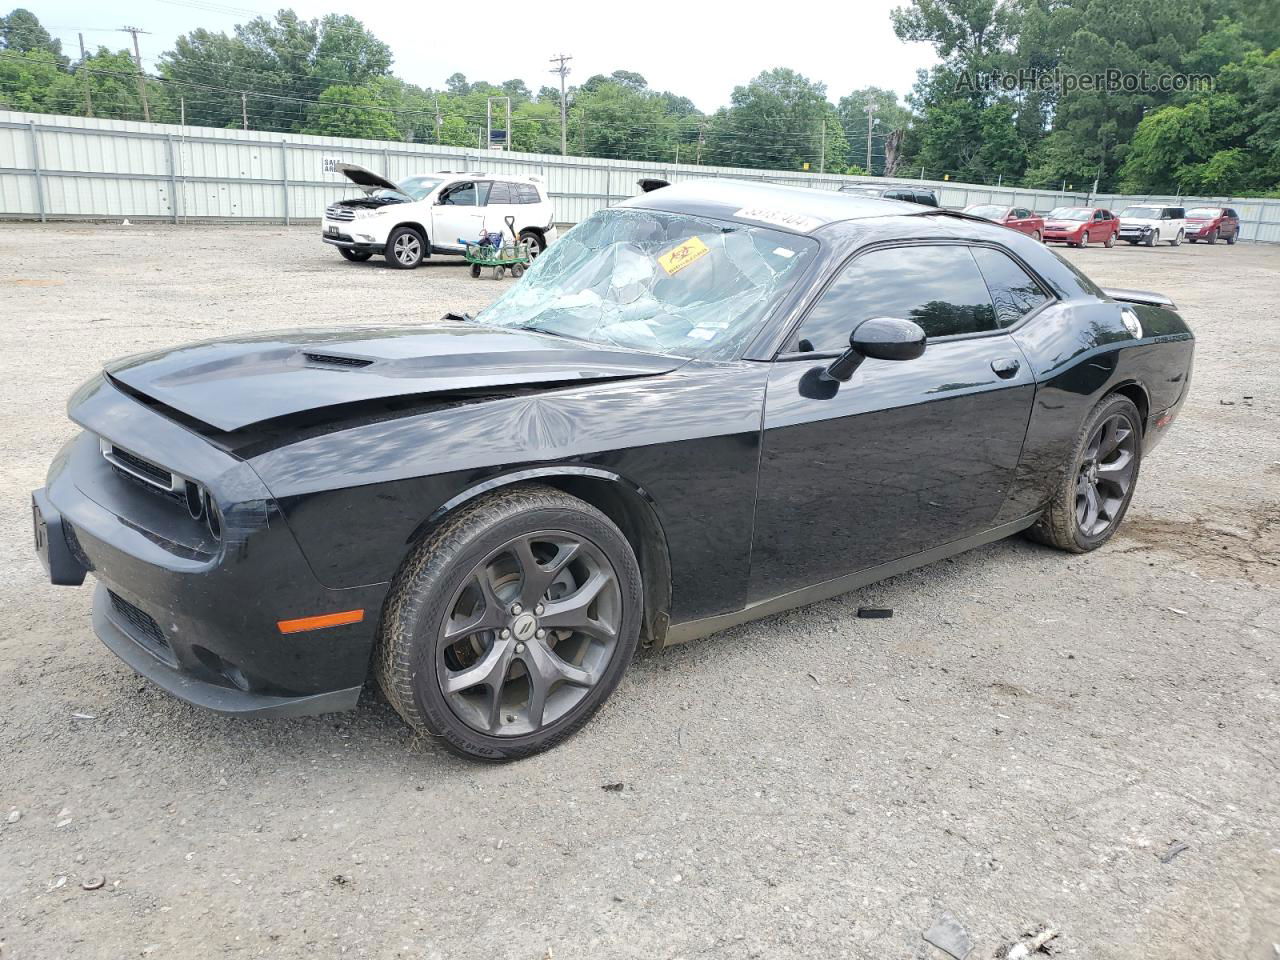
[[673, 261], [780, 218]]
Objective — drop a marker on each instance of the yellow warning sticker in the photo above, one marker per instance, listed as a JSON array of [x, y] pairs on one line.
[[673, 261]]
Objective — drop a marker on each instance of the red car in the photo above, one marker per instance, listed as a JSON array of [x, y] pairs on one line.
[[1210, 223], [1015, 218], [1081, 226]]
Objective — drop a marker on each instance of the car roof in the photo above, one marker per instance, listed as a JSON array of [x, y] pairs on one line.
[[480, 175], [796, 209]]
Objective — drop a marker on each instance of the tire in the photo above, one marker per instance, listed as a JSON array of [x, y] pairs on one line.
[[1231, 240], [1084, 239], [355, 256], [1153, 238], [517, 271], [1213, 237], [537, 242], [405, 248], [1176, 240], [1037, 237], [414, 661], [475, 271], [1110, 241], [1074, 522], [499, 272]]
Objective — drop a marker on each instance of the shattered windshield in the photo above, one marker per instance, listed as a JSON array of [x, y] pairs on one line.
[[415, 188], [653, 281]]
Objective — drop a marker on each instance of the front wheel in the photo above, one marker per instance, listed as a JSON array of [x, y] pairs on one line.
[[1213, 237], [1153, 238], [355, 256], [1037, 237], [405, 248], [1098, 483], [511, 623], [1084, 239]]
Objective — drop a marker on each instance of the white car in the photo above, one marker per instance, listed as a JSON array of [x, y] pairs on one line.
[[435, 213], [1150, 223]]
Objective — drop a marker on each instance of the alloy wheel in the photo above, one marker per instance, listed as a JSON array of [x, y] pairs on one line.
[[529, 633], [407, 248], [1106, 473]]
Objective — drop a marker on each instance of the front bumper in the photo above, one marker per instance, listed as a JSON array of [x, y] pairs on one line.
[[1135, 232], [1061, 236], [353, 235], [197, 615]]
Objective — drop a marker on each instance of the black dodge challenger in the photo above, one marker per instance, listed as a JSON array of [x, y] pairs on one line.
[[708, 404]]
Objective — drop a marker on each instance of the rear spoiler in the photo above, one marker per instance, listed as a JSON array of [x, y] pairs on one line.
[[1141, 296]]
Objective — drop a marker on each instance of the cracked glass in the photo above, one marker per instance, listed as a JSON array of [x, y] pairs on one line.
[[659, 282]]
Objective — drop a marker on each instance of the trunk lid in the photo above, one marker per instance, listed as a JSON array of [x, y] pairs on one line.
[[238, 382]]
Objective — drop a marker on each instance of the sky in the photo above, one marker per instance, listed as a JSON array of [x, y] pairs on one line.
[[696, 49]]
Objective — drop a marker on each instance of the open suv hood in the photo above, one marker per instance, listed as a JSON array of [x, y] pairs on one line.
[[365, 179], [237, 382]]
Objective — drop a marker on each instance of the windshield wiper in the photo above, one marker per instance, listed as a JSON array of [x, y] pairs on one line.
[[463, 317]]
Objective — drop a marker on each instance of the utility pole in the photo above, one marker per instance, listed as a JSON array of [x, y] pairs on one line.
[[438, 120], [870, 111], [137, 62], [701, 128], [822, 156], [182, 107], [562, 68], [88, 95], [244, 110]]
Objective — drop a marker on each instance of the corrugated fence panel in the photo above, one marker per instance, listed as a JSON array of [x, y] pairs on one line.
[[82, 167]]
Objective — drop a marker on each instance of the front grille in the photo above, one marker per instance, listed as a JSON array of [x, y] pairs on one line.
[[141, 626], [333, 360], [336, 212]]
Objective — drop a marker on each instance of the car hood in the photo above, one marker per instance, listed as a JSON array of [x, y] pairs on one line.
[[1141, 222], [237, 382], [365, 179], [1065, 224]]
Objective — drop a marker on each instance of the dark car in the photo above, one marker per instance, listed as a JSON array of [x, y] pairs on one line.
[[1211, 224], [1081, 226], [910, 194], [1015, 218], [708, 404]]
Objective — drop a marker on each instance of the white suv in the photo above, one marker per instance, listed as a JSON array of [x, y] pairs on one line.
[[1150, 223], [435, 213]]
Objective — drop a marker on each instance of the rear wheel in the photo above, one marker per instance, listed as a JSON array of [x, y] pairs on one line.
[[1099, 480], [1232, 239], [1037, 237], [1176, 240], [405, 248], [511, 623], [537, 242], [1110, 241], [355, 256], [475, 271]]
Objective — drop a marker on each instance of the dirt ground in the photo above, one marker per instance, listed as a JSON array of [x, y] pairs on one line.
[[1024, 744]]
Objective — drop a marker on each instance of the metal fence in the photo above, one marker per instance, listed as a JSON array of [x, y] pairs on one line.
[[67, 168]]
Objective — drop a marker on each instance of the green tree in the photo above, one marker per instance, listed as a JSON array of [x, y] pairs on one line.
[[344, 110], [778, 120], [889, 116], [22, 32]]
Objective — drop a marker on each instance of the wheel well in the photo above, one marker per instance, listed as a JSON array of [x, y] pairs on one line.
[[538, 230], [635, 517], [1139, 397]]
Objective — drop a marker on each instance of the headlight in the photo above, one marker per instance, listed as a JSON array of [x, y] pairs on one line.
[[366, 212]]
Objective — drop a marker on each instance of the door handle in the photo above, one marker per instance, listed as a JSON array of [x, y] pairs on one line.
[[1005, 367]]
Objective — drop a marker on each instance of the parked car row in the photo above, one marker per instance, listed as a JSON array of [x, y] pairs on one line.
[[1147, 224]]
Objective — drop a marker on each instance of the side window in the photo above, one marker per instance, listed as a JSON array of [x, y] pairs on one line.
[[939, 287], [1232, 213], [1022, 213], [927, 198], [1013, 291], [526, 193], [500, 192], [459, 195]]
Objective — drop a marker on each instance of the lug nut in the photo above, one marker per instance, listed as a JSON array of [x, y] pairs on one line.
[[538, 609], [505, 634], [517, 609], [541, 634], [519, 648]]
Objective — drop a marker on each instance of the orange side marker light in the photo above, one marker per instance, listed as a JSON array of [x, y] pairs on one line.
[[302, 624]]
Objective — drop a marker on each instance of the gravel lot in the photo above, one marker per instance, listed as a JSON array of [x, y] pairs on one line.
[[1018, 746]]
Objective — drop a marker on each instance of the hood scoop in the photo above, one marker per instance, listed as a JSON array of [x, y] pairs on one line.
[[337, 362]]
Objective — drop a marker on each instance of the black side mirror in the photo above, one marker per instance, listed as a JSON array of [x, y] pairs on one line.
[[881, 338]]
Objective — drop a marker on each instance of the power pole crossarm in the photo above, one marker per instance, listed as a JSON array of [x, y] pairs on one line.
[[137, 62]]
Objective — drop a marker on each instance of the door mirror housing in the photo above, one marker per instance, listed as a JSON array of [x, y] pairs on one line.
[[880, 338]]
